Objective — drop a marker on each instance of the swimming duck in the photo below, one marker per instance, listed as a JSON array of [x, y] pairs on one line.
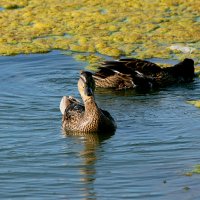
[[86, 117], [136, 73]]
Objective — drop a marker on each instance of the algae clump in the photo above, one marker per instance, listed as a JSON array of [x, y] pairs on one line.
[[196, 169], [113, 28], [196, 103]]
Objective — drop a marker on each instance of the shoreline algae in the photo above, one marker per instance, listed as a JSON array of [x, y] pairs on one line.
[[112, 28]]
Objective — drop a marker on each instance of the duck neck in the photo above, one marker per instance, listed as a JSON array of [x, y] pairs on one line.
[[91, 107]]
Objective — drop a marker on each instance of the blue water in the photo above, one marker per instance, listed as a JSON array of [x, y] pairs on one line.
[[156, 142]]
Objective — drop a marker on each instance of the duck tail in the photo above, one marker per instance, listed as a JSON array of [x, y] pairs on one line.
[[66, 102], [63, 104]]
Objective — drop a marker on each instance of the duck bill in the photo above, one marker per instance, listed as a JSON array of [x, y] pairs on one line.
[[88, 91]]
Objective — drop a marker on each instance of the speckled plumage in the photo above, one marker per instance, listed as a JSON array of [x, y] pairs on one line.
[[136, 73], [87, 117]]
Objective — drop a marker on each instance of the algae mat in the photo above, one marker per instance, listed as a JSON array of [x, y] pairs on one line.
[[145, 29]]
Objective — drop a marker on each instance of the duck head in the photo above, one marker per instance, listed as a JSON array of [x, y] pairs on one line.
[[86, 85], [186, 70]]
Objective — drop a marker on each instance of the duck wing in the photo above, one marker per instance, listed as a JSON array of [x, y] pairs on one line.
[[107, 114], [108, 120], [126, 73], [109, 78], [129, 66]]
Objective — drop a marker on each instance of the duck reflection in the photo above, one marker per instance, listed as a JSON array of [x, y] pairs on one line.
[[91, 142]]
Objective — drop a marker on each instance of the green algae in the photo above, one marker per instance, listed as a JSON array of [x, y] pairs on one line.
[[113, 28], [196, 103], [196, 169], [186, 188], [197, 71], [91, 58]]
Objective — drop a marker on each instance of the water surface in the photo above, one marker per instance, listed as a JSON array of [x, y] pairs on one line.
[[156, 142]]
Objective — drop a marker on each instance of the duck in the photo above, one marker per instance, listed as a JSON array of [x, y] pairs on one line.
[[141, 74], [85, 117]]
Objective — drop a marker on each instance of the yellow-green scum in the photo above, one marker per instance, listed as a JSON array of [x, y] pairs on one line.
[[114, 28], [196, 103]]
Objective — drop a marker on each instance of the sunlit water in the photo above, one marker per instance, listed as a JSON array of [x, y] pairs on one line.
[[156, 142]]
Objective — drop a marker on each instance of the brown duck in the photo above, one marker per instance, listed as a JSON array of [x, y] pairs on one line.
[[136, 73], [86, 117]]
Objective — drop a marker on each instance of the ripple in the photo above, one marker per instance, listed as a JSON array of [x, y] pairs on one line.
[[155, 143]]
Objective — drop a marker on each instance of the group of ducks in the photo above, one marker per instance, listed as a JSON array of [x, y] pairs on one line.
[[121, 74]]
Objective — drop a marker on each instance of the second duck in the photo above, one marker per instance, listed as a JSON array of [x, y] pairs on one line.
[[136, 73]]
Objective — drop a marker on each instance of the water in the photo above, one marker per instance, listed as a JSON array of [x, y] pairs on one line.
[[156, 142]]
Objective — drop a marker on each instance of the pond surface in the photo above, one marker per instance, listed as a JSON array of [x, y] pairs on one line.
[[156, 142]]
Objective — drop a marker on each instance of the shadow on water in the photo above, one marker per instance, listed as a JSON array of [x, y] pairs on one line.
[[142, 92], [91, 142], [127, 92]]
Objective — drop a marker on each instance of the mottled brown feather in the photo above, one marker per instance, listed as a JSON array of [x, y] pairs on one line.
[[86, 117], [136, 73]]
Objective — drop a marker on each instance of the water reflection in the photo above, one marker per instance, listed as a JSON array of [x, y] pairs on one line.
[[129, 92], [88, 155]]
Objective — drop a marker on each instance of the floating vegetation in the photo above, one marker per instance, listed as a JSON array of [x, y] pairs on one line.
[[145, 29], [186, 188], [188, 174], [196, 169], [196, 103], [92, 58], [197, 70]]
